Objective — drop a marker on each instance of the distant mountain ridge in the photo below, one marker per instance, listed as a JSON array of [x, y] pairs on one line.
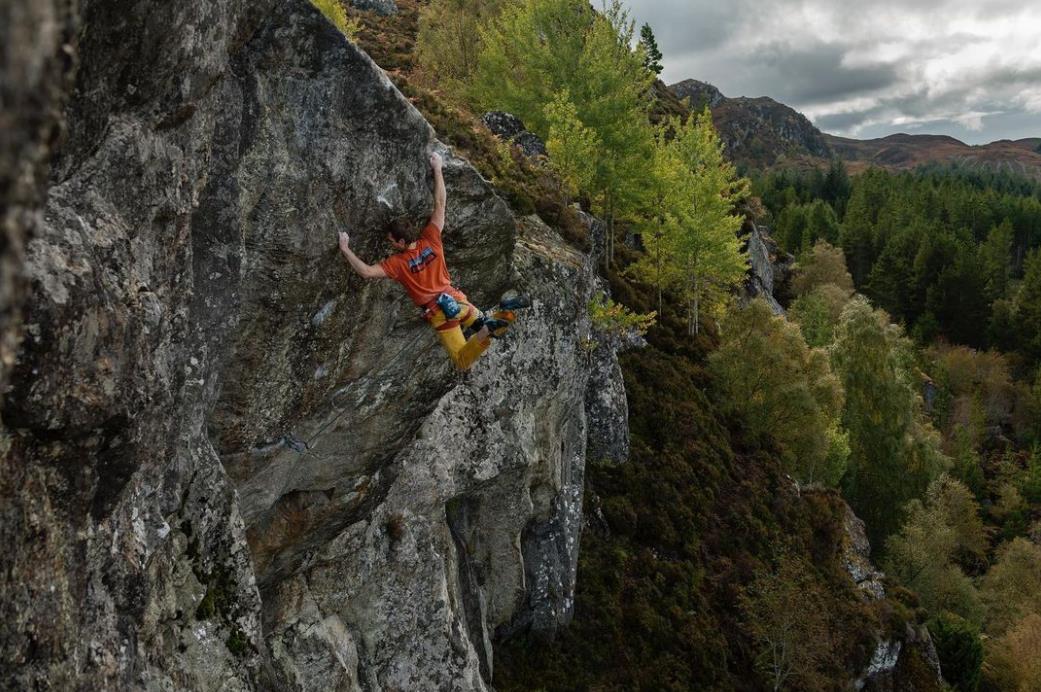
[[762, 133]]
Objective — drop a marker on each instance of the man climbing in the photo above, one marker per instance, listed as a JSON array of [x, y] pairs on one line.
[[419, 266]]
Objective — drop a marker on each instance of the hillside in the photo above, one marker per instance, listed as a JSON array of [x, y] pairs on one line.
[[761, 132]]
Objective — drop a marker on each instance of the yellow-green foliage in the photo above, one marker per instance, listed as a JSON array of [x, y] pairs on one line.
[[1012, 587], [824, 264], [1013, 661], [818, 312], [449, 39], [940, 536], [616, 319], [894, 450], [690, 230], [572, 146], [784, 391], [537, 51], [337, 15]]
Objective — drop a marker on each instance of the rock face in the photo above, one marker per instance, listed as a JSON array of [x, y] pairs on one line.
[[38, 62], [856, 558], [769, 268], [509, 127], [229, 463]]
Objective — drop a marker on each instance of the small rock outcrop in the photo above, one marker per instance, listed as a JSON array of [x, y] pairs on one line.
[[769, 267], [896, 661], [229, 462], [381, 7], [856, 558], [510, 128]]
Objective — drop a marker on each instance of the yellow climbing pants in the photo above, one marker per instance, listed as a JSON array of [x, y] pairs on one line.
[[463, 352]]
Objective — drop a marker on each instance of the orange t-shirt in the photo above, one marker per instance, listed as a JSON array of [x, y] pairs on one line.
[[422, 269]]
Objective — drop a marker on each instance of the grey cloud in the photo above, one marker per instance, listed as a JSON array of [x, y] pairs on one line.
[[745, 49], [815, 74], [845, 122], [690, 27]]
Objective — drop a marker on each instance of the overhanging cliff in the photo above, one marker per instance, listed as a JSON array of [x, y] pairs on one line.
[[229, 463]]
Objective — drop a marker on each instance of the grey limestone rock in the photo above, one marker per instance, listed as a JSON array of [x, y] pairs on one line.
[[229, 462]]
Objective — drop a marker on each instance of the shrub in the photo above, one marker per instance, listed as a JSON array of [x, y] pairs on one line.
[[337, 15]]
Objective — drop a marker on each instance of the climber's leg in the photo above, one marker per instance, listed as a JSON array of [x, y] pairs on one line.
[[463, 352]]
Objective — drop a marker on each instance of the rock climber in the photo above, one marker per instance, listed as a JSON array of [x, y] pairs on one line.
[[419, 266]]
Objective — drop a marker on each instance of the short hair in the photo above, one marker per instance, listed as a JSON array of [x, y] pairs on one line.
[[404, 228]]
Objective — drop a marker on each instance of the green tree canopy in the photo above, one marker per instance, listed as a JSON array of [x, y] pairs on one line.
[[784, 391], [894, 451], [939, 535], [537, 50]]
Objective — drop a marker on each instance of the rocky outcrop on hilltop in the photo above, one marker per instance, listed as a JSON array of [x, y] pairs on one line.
[[697, 94], [761, 130], [228, 462], [756, 131]]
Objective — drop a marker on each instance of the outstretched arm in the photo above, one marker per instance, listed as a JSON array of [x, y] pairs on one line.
[[440, 195], [367, 271]]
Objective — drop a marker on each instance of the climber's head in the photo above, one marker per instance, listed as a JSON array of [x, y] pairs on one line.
[[403, 231]]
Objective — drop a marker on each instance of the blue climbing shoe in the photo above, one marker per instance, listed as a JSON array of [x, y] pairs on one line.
[[496, 327]]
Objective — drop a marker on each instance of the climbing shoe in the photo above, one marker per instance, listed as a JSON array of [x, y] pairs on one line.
[[496, 327], [512, 300]]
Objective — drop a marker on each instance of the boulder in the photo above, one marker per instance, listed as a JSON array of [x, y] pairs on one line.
[[229, 462]]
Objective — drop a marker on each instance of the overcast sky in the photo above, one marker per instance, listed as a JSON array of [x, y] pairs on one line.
[[865, 68]]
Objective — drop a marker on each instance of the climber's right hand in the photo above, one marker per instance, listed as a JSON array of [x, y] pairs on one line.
[[436, 161], [345, 241]]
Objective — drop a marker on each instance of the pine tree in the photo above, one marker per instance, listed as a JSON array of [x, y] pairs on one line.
[[996, 256], [1028, 308], [651, 55]]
